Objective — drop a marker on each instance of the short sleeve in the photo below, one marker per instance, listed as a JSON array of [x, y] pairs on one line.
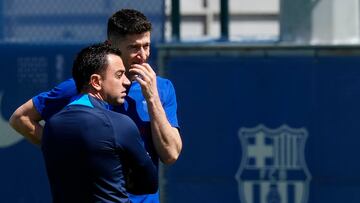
[[50, 102], [170, 103]]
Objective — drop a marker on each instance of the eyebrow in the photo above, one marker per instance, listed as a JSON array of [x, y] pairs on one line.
[[139, 43], [120, 71]]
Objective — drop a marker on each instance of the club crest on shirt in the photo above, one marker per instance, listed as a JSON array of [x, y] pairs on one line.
[[273, 167], [144, 105]]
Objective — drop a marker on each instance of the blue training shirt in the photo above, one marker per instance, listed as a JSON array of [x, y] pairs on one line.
[[93, 154], [50, 102]]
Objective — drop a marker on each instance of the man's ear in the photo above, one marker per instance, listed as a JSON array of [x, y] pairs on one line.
[[95, 81]]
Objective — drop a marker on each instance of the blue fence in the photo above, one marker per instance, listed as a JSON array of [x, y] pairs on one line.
[[42, 21]]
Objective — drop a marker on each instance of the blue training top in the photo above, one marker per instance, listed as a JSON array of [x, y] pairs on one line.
[[50, 102], [93, 154]]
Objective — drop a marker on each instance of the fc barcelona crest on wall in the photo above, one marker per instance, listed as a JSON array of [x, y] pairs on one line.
[[273, 167]]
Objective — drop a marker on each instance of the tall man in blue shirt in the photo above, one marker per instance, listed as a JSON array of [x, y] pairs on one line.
[[93, 154], [151, 101]]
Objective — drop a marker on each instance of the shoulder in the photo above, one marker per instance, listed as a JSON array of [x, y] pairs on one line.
[[63, 90], [68, 86], [78, 113], [68, 83], [165, 86], [163, 82], [120, 121], [52, 101], [124, 128], [166, 89]]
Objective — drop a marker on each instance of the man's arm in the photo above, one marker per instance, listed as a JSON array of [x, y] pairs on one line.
[[25, 120], [166, 139], [141, 173]]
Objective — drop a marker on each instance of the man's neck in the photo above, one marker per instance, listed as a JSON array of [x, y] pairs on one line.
[[94, 94]]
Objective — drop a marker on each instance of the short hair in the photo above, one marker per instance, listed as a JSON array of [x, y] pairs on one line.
[[91, 60], [127, 22]]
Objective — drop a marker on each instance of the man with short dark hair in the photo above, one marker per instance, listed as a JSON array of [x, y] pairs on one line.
[[151, 101], [93, 154]]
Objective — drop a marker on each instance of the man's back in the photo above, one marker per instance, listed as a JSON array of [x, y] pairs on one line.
[[88, 152]]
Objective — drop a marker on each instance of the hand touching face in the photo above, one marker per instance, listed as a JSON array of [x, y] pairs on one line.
[[146, 76]]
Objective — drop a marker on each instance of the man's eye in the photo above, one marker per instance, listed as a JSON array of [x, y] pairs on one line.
[[134, 47], [118, 75]]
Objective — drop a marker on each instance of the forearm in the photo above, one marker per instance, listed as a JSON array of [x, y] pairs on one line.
[[26, 122], [166, 138], [30, 130]]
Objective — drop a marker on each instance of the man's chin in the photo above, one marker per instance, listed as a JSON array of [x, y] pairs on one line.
[[121, 101], [118, 102]]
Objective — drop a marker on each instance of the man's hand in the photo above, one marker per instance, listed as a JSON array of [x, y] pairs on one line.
[[146, 76]]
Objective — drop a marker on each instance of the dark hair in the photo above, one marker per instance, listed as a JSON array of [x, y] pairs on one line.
[[91, 60], [127, 21]]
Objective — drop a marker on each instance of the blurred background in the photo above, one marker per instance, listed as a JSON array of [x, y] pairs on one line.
[[268, 93]]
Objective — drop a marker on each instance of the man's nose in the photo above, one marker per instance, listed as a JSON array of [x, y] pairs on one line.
[[127, 81], [142, 55]]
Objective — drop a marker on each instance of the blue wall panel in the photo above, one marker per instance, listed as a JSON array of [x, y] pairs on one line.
[[25, 71], [217, 96]]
